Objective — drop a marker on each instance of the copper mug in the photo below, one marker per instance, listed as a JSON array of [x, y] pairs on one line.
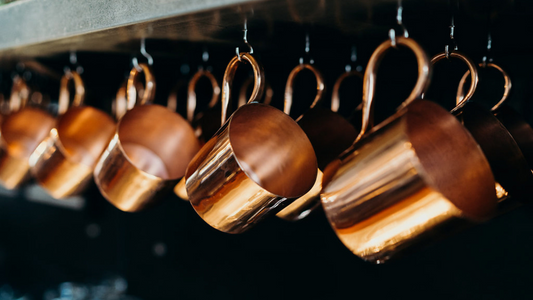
[[408, 176], [508, 164], [149, 152], [258, 162], [21, 132], [206, 123], [63, 163], [513, 121], [329, 133]]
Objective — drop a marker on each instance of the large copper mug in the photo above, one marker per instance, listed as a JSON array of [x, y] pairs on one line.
[[21, 132], [258, 162], [408, 176], [63, 163], [329, 133], [149, 152], [508, 164]]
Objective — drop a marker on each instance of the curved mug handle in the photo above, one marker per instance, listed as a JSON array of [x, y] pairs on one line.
[[460, 102], [259, 84], [20, 92], [64, 93], [369, 86], [244, 90], [289, 87], [507, 85], [335, 99], [191, 93], [149, 87]]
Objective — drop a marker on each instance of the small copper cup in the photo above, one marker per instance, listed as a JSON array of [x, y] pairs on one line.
[[148, 153], [63, 163], [22, 131], [329, 133], [409, 176], [258, 162]]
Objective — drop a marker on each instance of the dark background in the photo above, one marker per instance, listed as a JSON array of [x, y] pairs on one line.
[[43, 245]]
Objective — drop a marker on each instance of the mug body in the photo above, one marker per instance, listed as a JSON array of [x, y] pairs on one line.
[[64, 162], [413, 175], [22, 132], [255, 165], [146, 158]]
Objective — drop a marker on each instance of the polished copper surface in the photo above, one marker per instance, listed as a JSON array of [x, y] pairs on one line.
[[329, 133], [407, 177], [63, 163], [148, 154], [255, 165], [22, 132]]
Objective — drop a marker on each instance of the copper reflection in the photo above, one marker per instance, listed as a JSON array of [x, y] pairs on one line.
[[255, 165], [408, 177], [148, 154], [329, 133]]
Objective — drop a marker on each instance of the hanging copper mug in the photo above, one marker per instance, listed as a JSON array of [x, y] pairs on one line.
[[22, 131], [513, 121], [206, 123], [408, 176], [149, 152], [329, 133], [63, 163], [506, 160], [258, 162]]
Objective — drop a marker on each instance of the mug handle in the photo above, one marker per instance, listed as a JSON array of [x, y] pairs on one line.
[[244, 89], [20, 93], [320, 87], [369, 86], [191, 93], [118, 105], [507, 86], [64, 93], [460, 102], [335, 99], [149, 87], [229, 74]]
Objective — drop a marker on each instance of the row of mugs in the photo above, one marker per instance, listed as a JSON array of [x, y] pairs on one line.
[[383, 188]]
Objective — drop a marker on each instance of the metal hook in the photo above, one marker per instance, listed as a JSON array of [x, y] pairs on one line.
[[486, 58], [353, 60], [73, 59], [148, 57], [306, 51], [453, 42], [245, 39], [399, 22]]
